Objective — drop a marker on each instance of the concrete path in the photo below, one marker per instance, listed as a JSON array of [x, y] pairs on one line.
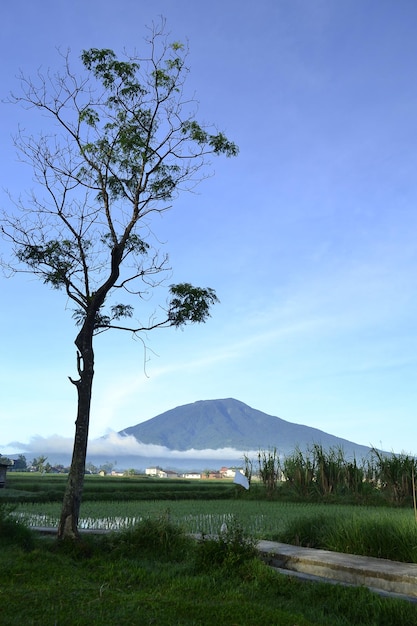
[[381, 575]]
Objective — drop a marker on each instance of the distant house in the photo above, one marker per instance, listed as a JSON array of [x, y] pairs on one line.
[[171, 474], [160, 473], [152, 471], [192, 475], [229, 472]]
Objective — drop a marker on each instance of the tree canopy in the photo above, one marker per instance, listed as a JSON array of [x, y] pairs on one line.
[[122, 149], [124, 142]]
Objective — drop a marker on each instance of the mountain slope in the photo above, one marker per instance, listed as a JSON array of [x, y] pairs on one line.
[[229, 423]]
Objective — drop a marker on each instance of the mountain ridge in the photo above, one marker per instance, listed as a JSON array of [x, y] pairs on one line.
[[230, 423]]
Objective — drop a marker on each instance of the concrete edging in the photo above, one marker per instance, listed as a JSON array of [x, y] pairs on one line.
[[378, 574]]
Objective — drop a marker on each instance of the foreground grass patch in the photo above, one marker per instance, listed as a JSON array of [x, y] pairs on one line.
[[155, 574]]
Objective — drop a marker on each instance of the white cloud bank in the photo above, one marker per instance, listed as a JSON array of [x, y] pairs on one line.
[[115, 445]]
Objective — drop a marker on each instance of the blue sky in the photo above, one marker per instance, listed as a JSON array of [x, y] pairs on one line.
[[308, 237]]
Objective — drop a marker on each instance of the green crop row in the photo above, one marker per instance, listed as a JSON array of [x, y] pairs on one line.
[[44, 488], [384, 532]]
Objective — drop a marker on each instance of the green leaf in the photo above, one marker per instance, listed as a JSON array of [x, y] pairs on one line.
[[89, 116], [190, 304], [54, 260], [105, 67], [121, 310]]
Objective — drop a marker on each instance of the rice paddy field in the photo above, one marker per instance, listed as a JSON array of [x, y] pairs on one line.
[[202, 507], [262, 519]]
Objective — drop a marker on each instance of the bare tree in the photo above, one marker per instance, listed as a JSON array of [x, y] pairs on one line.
[[124, 143]]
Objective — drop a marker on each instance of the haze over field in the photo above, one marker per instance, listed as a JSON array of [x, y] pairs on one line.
[[308, 237]]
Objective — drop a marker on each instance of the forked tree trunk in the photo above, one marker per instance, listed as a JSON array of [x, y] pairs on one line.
[[68, 525]]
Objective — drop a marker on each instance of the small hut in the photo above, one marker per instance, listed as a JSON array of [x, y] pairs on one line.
[[4, 464]]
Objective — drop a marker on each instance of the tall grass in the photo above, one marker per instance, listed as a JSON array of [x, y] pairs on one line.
[[269, 469], [379, 535], [394, 475], [320, 474]]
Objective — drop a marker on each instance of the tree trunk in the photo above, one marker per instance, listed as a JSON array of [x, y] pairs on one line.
[[68, 525]]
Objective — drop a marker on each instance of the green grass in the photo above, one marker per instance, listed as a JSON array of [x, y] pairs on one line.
[[154, 574], [43, 488], [261, 519], [381, 532], [388, 534]]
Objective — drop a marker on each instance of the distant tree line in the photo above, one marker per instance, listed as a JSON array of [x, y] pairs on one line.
[[40, 464]]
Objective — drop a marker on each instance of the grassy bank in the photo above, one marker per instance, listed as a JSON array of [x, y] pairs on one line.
[[154, 574]]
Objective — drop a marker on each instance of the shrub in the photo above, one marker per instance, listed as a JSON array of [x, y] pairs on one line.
[[231, 548], [152, 536], [12, 531]]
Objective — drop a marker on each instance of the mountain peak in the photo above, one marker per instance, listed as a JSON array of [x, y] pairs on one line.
[[229, 423]]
